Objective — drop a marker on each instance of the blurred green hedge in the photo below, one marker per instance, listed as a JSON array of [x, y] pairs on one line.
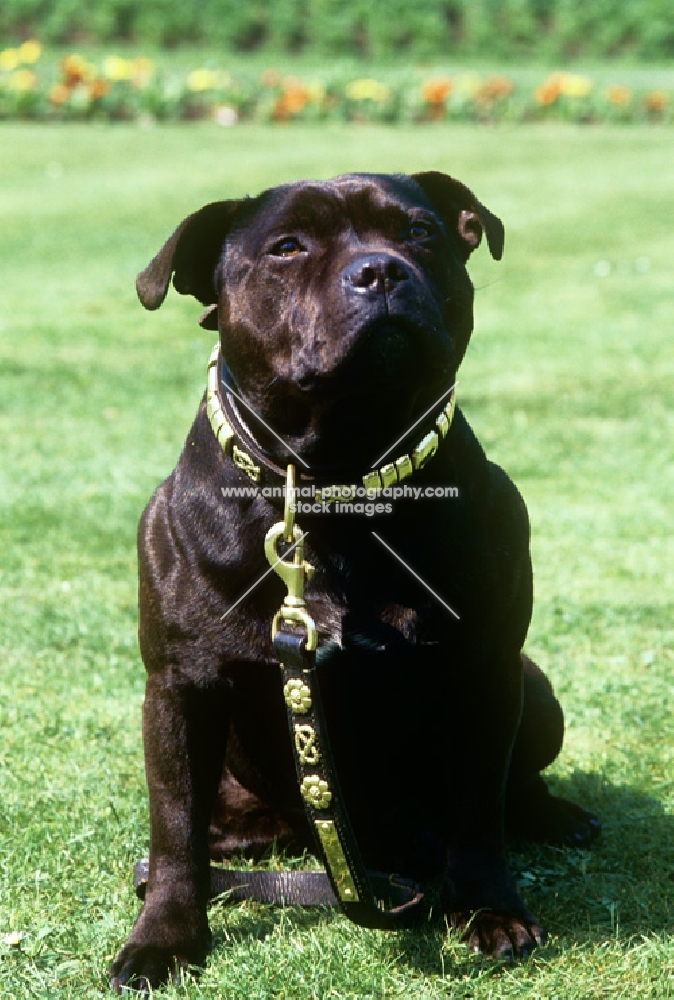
[[419, 29]]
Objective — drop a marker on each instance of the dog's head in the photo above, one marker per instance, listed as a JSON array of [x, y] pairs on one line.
[[344, 307]]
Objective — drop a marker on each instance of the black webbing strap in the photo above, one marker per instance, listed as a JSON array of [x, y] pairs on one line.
[[287, 888]]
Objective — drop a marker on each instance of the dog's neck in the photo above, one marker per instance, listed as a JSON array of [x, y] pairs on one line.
[[238, 442]]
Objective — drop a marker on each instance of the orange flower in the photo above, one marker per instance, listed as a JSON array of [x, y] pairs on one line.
[[656, 101], [494, 88], [75, 70], [98, 88], [437, 90], [292, 100], [59, 94], [619, 95], [549, 90]]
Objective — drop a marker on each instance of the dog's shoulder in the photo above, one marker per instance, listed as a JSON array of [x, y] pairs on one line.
[[497, 522], [190, 516], [489, 487]]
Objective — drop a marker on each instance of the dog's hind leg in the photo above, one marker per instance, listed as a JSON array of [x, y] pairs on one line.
[[531, 811], [242, 823]]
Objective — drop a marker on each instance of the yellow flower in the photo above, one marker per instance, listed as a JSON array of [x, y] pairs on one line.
[[562, 84], [23, 79], [9, 59], [115, 68], [202, 79], [315, 92], [574, 86], [30, 51], [367, 90], [469, 84]]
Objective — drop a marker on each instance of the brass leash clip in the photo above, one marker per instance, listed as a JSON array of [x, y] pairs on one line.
[[294, 571]]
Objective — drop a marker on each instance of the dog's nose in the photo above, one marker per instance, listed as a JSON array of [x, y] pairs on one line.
[[377, 273]]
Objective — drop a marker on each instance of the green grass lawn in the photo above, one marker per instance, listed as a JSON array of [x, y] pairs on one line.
[[568, 383]]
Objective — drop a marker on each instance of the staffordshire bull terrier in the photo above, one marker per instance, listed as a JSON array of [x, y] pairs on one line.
[[343, 311]]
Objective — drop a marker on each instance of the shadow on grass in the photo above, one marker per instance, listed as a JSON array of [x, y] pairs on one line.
[[613, 891], [617, 887]]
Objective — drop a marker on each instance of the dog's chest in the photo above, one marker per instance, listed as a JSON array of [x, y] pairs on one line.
[[390, 625]]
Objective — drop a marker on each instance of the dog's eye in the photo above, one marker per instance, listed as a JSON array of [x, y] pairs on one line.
[[419, 231], [287, 247]]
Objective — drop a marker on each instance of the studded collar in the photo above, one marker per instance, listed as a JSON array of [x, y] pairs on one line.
[[238, 442]]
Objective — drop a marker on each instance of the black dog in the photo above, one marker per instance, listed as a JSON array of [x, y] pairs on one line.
[[344, 310]]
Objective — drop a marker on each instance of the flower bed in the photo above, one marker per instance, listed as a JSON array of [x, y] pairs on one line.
[[123, 89]]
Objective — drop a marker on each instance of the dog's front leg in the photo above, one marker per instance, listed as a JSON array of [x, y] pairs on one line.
[[480, 895], [184, 733]]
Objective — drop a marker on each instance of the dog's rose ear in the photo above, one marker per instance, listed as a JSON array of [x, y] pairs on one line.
[[191, 255], [463, 212]]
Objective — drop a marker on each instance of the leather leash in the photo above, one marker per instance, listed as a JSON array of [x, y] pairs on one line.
[[372, 899]]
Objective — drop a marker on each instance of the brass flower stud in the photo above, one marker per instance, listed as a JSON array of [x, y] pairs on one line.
[[297, 696], [316, 791]]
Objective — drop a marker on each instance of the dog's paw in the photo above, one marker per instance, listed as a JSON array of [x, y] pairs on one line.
[[152, 956], [141, 967], [550, 819], [499, 935], [572, 825]]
